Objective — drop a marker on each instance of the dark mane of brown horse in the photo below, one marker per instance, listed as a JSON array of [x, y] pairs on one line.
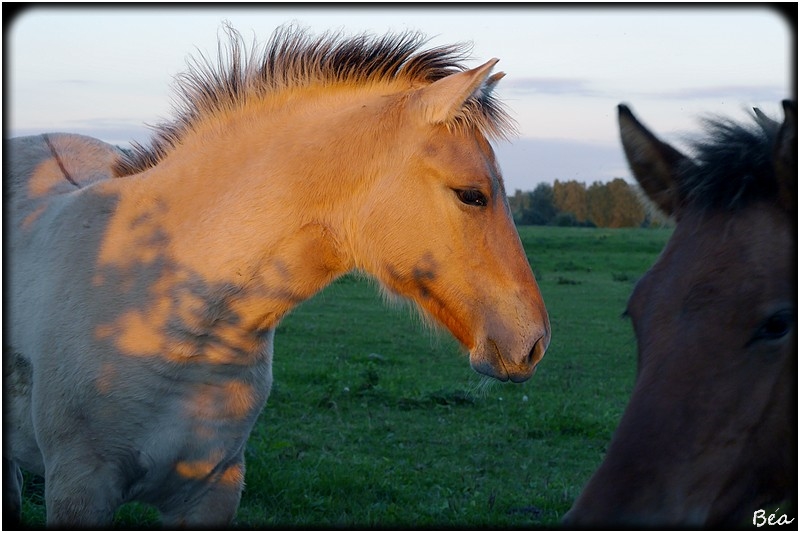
[[733, 166], [292, 59]]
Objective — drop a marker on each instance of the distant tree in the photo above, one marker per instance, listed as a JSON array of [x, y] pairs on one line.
[[565, 219], [599, 204], [615, 204], [518, 203], [542, 210], [570, 197], [533, 207], [627, 210]]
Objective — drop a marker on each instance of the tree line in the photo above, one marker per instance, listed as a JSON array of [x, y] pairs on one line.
[[615, 204]]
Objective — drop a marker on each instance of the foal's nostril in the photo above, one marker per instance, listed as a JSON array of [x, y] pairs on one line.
[[537, 352]]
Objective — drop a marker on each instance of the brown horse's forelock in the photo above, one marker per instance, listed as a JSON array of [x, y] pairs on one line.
[[292, 58], [733, 166]]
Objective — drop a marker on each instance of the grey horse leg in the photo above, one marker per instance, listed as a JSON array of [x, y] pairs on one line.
[[12, 493], [79, 494]]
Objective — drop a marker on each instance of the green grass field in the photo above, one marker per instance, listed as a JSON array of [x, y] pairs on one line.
[[376, 421]]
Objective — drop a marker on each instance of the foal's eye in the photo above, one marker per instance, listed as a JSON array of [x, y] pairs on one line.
[[471, 197], [775, 327]]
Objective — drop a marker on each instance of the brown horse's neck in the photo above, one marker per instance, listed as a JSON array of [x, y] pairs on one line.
[[244, 213]]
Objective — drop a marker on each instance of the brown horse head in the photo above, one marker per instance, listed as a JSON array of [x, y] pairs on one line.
[[453, 248], [709, 435]]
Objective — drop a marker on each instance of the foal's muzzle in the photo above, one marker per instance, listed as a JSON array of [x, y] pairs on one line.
[[489, 359]]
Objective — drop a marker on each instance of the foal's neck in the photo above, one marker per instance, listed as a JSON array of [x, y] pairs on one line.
[[255, 212]]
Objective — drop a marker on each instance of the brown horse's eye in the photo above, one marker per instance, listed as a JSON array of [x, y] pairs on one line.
[[472, 197], [775, 327]]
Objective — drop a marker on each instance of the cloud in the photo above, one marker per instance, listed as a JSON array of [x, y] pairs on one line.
[[557, 86], [584, 88], [739, 93]]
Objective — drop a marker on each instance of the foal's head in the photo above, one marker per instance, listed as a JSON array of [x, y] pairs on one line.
[[435, 225], [709, 435], [385, 146]]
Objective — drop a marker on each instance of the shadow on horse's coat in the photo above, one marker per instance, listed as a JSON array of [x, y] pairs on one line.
[[146, 287], [709, 436]]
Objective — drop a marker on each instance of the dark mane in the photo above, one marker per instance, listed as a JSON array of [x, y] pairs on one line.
[[733, 166], [292, 58]]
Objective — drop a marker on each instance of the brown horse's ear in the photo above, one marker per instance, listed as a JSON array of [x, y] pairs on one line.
[[785, 157], [765, 119], [654, 164], [442, 100]]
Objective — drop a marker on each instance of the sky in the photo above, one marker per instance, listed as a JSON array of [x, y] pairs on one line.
[[107, 71]]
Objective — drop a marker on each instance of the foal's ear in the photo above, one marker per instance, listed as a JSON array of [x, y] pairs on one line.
[[442, 100], [786, 157], [654, 164], [488, 87]]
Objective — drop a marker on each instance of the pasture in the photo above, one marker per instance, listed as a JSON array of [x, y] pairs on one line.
[[374, 420]]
